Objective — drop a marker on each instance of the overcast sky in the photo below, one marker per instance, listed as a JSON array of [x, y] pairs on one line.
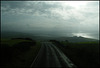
[[61, 18]]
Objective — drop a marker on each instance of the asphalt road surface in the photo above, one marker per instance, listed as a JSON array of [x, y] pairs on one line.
[[51, 56]]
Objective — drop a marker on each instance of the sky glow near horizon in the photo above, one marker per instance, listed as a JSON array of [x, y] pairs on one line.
[[61, 18]]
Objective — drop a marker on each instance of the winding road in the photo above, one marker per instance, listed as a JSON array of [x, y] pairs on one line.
[[51, 56]]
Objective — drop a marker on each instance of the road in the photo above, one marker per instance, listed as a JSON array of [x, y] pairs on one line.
[[51, 56]]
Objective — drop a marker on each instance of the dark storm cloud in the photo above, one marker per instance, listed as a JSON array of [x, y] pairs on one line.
[[24, 7], [60, 18], [13, 4], [34, 6]]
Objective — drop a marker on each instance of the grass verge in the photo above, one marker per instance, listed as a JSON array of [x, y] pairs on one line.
[[84, 54], [22, 59]]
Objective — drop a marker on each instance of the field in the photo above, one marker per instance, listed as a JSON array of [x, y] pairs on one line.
[[83, 54], [18, 52]]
